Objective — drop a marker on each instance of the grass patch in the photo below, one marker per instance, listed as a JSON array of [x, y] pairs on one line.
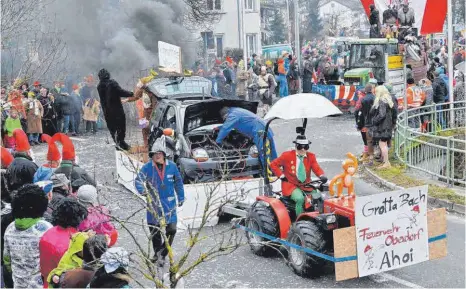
[[396, 174]]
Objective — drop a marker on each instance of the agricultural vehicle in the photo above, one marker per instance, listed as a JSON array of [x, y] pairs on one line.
[[377, 58], [274, 215]]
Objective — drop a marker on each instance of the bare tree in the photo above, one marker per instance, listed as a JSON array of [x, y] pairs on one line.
[[32, 49]]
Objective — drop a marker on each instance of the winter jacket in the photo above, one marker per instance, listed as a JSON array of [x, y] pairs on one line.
[[444, 77], [53, 204], [76, 103], [21, 171], [73, 172], [35, 112], [382, 121], [85, 93], [440, 90], [64, 103], [91, 110], [242, 77], [172, 182], [98, 220], [71, 259], [21, 253], [52, 247], [366, 106]]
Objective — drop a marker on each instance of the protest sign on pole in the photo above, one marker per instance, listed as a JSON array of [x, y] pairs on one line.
[[169, 57], [391, 230]]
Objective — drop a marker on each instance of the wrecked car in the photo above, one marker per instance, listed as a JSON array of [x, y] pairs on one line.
[[185, 105]]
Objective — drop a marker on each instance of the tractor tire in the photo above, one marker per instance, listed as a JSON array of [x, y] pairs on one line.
[[306, 234], [262, 218]]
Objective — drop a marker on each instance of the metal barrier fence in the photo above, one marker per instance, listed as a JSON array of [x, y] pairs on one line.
[[431, 139]]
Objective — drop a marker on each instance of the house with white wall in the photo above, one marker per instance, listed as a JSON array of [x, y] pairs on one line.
[[349, 14], [227, 30]]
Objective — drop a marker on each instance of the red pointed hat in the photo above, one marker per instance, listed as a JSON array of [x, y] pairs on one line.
[[22, 143], [7, 158], [368, 247], [415, 208], [53, 154], [68, 152]]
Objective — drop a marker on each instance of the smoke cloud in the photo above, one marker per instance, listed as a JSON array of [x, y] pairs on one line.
[[119, 35]]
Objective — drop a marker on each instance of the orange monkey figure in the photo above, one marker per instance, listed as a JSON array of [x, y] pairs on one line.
[[345, 179]]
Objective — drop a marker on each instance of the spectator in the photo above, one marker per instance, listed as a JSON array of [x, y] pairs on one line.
[[282, 73], [458, 95], [382, 122], [360, 121], [65, 110], [76, 110], [439, 91], [426, 86], [241, 81], [72, 258], [21, 251], [91, 114], [49, 119], [114, 272], [366, 106], [98, 218], [293, 76], [21, 171], [55, 192], [35, 112], [11, 124], [92, 251], [6, 219], [53, 244]]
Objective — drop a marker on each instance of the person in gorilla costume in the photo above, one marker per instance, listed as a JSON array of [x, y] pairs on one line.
[[110, 94]]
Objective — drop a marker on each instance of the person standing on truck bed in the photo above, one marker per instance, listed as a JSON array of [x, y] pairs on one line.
[[159, 179], [250, 125]]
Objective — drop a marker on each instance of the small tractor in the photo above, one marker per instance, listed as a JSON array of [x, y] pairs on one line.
[[274, 215]]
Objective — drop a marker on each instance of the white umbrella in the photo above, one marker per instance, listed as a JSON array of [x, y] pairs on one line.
[[302, 105], [461, 67]]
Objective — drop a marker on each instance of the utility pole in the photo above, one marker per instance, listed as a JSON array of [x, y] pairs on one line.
[[288, 23], [238, 6], [243, 36], [296, 40], [450, 58]]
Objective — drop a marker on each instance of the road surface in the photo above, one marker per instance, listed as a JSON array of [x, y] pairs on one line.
[[331, 138]]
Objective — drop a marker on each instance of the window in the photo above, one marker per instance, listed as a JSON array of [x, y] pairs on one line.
[[169, 120], [249, 4], [251, 44], [219, 45], [214, 4]]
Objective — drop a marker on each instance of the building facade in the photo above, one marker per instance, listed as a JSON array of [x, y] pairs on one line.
[[344, 15], [227, 32]]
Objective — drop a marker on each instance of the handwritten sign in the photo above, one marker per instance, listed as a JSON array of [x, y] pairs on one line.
[[391, 230], [169, 57]]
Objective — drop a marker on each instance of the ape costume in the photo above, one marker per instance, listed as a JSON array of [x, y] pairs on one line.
[[110, 94]]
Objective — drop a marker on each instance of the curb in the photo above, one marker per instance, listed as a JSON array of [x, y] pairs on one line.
[[434, 202]]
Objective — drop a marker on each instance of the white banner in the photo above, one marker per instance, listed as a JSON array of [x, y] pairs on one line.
[[391, 230], [170, 57]]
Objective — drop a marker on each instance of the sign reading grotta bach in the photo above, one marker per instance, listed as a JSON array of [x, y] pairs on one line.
[[169, 57], [391, 230]]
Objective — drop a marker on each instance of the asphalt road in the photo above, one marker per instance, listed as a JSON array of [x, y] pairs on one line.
[[331, 138]]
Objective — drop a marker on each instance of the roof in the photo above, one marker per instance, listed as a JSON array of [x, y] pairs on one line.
[[351, 4]]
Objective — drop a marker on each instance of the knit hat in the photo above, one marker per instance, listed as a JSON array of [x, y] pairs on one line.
[[7, 158], [68, 152], [75, 87], [22, 143], [36, 83], [115, 258], [59, 180], [53, 154], [87, 195], [46, 186]]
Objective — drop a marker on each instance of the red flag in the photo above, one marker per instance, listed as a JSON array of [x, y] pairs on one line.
[[366, 4], [434, 16]]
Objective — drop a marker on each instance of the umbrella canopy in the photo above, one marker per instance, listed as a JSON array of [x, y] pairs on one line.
[[461, 66], [302, 105]]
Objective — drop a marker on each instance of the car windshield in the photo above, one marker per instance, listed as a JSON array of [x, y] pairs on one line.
[[367, 55], [186, 85]]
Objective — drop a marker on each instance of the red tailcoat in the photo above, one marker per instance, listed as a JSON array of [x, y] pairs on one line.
[[286, 165]]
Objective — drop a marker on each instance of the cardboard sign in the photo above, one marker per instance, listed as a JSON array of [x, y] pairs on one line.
[[391, 230], [169, 57]]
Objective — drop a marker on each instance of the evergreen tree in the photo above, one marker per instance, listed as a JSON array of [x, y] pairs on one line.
[[278, 28], [314, 26]]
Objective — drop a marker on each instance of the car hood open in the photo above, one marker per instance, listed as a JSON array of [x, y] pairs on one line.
[[207, 112]]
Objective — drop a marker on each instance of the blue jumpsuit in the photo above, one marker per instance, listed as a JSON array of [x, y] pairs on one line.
[[251, 125]]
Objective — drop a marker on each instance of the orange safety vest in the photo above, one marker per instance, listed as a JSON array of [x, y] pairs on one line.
[[415, 97]]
